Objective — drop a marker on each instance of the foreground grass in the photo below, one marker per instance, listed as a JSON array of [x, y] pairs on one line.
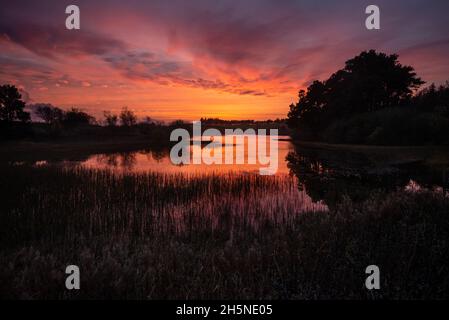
[[236, 236]]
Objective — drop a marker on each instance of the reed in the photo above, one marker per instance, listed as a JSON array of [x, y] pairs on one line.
[[233, 235]]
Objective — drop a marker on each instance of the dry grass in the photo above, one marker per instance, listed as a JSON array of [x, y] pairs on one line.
[[154, 236]]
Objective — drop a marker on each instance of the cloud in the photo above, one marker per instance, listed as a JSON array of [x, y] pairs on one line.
[[253, 48], [426, 46], [146, 66], [51, 41], [56, 43]]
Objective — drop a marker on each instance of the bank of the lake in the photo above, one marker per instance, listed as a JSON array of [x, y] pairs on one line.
[[431, 155]]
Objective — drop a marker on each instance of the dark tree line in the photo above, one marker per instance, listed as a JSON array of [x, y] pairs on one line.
[[55, 116], [12, 109], [369, 84], [433, 98]]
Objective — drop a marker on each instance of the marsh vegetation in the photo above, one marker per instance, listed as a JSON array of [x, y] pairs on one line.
[[230, 235]]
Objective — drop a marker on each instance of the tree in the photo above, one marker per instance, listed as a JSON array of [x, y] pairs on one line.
[[77, 117], [368, 82], [149, 120], [177, 123], [127, 117], [111, 119], [433, 98], [11, 105], [379, 80], [49, 113]]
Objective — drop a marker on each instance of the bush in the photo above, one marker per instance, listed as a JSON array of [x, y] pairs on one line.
[[397, 126]]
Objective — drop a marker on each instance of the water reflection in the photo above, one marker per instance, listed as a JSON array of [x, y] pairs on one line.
[[330, 176], [323, 177], [159, 161], [124, 160]]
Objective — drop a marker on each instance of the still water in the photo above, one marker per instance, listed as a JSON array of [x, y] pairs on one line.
[[159, 160], [311, 178]]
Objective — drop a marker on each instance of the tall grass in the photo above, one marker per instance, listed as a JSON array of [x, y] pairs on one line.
[[157, 236], [71, 203]]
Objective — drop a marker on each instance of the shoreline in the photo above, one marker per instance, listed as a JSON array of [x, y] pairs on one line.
[[432, 155], [74, 148]]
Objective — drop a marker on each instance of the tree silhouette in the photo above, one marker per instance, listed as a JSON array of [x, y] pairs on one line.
[[127, 117], [434, 98], [368, 82], [77, 117], [110, 119], [11, 105], [49, 113]]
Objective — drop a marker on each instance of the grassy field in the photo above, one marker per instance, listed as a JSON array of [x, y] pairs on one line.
[[154, 236]]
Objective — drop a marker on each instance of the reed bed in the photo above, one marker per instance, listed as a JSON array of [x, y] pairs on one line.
[[233, 235]]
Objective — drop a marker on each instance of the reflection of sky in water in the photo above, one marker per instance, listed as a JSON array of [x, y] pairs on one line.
[[288, 193], [142, 161], [309, 181]]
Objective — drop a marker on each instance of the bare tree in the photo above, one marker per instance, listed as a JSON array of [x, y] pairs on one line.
[[111, 119], [127, 117]]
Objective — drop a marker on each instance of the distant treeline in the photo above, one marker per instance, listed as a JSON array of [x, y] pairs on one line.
[[54, 122], [221, 121], [372, 100], [222, 125], [75, 124]]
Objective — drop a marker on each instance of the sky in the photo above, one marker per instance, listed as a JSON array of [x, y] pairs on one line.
[[172, 59]]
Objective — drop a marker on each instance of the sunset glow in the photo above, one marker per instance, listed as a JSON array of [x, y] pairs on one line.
[[204, 58]]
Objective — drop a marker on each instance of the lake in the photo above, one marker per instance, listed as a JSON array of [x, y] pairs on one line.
[[312, 178], [159, 160]]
